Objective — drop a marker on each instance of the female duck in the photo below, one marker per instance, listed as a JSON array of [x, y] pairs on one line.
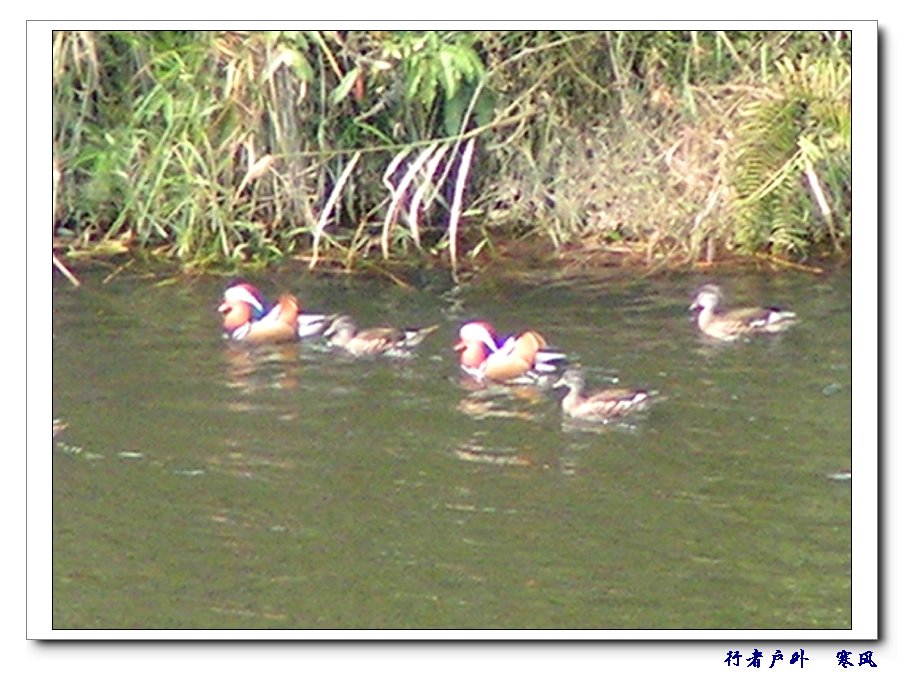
[[734, 323], [342, 332], [520, 358], [600, 406]]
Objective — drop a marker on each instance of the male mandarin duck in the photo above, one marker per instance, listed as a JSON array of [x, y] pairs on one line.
[[342, 332], [734, 323], [280, 324], [519, 358], [248, 317], [599, 406]]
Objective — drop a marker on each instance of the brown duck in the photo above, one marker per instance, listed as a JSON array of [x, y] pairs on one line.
[[731, 324], [599, 406], [342, 332]]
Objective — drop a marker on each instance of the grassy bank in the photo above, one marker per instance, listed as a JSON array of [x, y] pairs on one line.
[[342, 148]]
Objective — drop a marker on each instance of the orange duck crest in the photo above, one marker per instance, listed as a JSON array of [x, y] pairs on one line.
[[526, 345], [288, 309]]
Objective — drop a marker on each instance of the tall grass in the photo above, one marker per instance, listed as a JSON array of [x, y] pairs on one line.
[[227, 147]]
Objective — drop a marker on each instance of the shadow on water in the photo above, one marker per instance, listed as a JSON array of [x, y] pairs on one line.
[[203, 485]]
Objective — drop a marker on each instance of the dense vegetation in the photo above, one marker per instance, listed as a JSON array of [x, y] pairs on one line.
[[225, 147]]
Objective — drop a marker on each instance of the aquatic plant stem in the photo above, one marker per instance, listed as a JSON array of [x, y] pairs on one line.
[[65, 271], [455, 213], [328, 208]]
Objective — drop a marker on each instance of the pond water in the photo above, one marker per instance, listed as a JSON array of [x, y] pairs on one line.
[[197, 485]]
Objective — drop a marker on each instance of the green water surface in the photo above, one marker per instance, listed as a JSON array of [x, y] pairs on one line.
[[201, 486]]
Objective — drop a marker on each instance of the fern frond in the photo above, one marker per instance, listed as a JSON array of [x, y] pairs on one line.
[[786, 141]]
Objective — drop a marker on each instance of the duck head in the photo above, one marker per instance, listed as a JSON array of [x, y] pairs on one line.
[[709, 297], [476, 341], [572, 379], [340, 330], [243, 292]]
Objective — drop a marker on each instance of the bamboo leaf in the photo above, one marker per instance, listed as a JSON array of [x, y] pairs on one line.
[[255, 172], [345, 85], [294, 60]]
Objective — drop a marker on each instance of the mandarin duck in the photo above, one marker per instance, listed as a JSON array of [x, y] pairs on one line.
[[244, 306], [520, 358], [280, 324], [599, 406], [342, 332], [732, 324]]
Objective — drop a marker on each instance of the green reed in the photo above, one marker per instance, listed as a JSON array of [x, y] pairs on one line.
[[218, 148]]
